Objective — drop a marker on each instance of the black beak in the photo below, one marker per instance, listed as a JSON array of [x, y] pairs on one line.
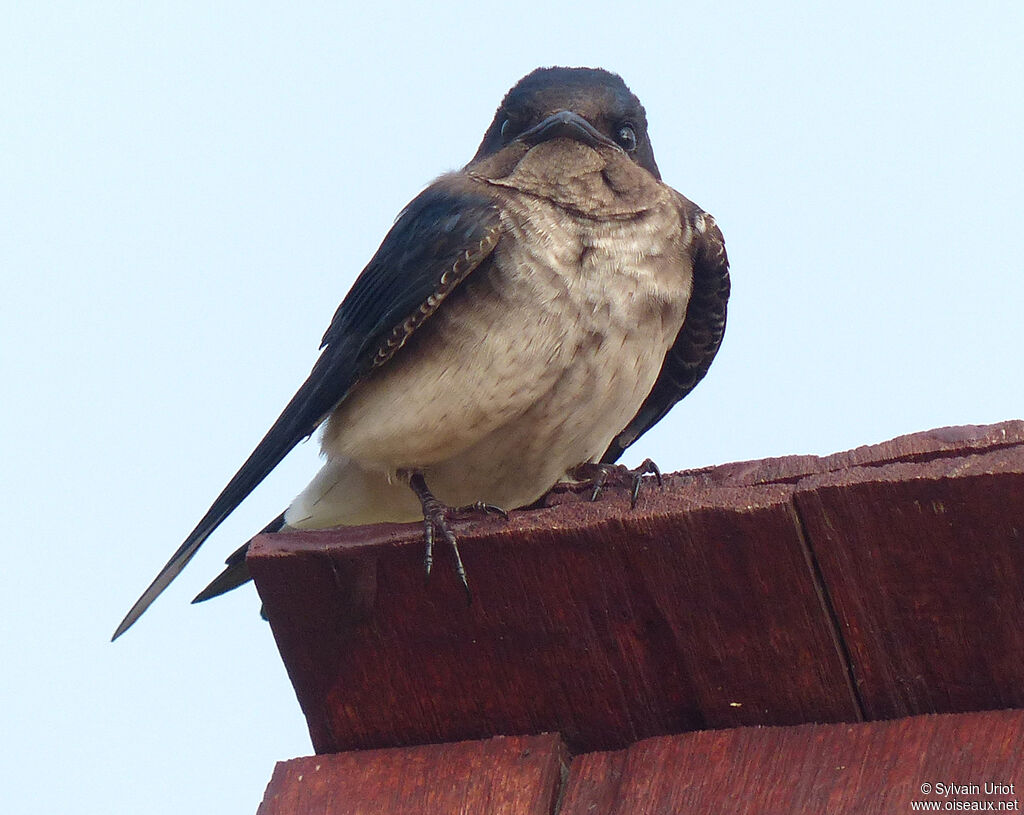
[[566, 124]]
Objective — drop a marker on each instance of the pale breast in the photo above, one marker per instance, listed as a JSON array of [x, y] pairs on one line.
[[536, 361]]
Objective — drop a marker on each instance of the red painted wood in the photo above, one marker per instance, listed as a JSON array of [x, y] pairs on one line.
[[697, 609], [501, 776], [924, 563], [860, 769], [928, 445], [881, 581]]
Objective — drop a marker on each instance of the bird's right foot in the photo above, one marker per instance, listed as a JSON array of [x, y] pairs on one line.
[[436, 517]]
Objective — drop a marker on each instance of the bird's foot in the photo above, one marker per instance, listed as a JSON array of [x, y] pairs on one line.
[[601, 475], [436, 518], [480, 506], [647, 467]]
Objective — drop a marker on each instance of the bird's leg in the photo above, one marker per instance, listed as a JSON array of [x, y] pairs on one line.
[[480, 506], [600, 474], [647, 466], [435, 520], [600, 479], [595, 474]]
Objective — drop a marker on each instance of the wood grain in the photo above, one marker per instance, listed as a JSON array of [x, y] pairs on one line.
[[879, 582], [928, 445], [874, 768], [698, 609], [501, 776], [925, 566]]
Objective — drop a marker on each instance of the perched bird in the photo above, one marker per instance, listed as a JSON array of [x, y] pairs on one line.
[[537, 310]]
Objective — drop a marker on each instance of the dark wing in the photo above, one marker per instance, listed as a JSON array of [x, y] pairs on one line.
[[698, 340], [436, 241]]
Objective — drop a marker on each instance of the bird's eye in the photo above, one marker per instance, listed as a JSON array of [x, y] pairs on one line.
[[626, 138]]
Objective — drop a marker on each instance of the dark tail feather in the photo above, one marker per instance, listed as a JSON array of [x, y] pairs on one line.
[[237, 572], [299, 419]]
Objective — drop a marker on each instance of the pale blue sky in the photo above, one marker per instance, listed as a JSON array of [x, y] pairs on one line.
[[187, 191]]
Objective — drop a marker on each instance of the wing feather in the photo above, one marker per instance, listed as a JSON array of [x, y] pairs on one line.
[[698, 340], [438, 239]]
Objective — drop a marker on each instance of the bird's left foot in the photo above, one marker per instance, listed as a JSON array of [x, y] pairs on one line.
[[436, 517], [603, 474]]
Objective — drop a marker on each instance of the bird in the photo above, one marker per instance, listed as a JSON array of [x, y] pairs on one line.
[[530, 314]]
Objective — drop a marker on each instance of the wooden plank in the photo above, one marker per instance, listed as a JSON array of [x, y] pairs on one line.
[[927, 445], [697, 609], [862, 769], [703, 607], [500, 776], [924, 564]]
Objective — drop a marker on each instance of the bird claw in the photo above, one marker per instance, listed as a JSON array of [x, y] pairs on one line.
[[601, 474], [436, 517], [599, 481], [647, 467], [480, 506]]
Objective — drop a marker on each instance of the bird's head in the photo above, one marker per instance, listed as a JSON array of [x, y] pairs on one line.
[[588, 105]]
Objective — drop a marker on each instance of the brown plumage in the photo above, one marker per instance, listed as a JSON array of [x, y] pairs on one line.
[[539, 309]]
